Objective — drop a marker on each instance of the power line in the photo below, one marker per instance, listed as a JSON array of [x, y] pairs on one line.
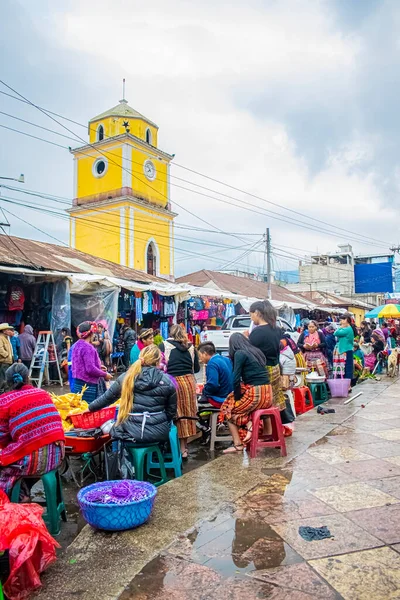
[[34, 227], [109, 226], [263, 212], [44, 111], [97, 228], [94, 148]]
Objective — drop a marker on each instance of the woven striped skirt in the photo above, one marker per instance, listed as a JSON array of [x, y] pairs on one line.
[[274, 374], [238, 412], [186, 405], [39, 462], [316, 360]]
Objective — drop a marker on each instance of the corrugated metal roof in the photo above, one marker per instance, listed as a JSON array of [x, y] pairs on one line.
[[240, 285], [40, 256], [329, 299]]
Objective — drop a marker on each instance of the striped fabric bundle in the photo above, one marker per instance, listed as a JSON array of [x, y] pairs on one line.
[[28, 421]]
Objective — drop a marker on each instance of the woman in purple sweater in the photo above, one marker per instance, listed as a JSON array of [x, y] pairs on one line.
[[86, 365]]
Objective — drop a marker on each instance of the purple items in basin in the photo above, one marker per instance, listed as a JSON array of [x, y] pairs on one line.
[[117, 505]]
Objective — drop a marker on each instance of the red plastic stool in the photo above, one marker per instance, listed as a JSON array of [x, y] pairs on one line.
[[278, 439], [303, 400]]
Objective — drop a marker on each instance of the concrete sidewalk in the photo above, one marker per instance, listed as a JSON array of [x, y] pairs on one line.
[[229, 531]]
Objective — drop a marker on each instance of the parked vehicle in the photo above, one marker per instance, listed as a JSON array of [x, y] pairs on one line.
[[240, 324]]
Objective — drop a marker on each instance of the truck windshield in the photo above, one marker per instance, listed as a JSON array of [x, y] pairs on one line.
[[237, 323]]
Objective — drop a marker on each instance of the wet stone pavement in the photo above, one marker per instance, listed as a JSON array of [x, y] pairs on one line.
[[228, 531]]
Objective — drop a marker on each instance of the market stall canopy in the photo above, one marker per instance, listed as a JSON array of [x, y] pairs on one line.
[[84, 283], [244, 287], [384, 311]]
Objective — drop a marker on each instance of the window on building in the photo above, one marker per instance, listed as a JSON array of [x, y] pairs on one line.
[[151, 260], [148, 136], [100, 133], [99, 167]]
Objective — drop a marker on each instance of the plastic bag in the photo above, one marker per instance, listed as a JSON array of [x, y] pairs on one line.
[[31, 547]]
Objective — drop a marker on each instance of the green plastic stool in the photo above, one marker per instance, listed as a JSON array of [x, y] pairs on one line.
[[172, 460], [138, 456], [55, 507], [319, 392]]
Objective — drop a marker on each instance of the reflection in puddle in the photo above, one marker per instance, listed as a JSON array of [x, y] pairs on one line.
[[228, 546]]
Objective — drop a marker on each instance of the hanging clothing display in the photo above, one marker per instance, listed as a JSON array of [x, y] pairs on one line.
[[139, 311], [168, 308], [164, 329]]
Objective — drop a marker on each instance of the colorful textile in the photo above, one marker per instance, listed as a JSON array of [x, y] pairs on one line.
[[343, 364], [238, 412], [28, 421], [37, 463], [91, 393], [316, 360], [312, 339], [139, 311], [274, 374], [86, 363], [186, 405]]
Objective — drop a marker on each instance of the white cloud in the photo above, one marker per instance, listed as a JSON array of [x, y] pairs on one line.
[[190, 66]]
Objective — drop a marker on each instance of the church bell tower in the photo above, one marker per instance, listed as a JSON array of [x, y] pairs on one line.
[[121, 209]]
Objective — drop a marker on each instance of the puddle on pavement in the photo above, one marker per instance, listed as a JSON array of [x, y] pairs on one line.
[[227, 546], [232, 548]]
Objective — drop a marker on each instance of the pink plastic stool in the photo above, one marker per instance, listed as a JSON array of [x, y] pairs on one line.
[[278, 439], [303, 400]]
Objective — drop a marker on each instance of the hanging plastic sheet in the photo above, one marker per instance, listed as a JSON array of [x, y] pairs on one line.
[[287, 313], [61, 308], [99, 304]]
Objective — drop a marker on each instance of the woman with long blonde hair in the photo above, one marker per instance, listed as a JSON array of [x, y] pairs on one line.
[[148, 401], [182, 362]]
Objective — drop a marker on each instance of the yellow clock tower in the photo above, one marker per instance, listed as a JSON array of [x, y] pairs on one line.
[[121, 209]]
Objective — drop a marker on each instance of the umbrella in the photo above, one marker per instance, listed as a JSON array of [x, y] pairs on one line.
[[385, 310], [390, 310]]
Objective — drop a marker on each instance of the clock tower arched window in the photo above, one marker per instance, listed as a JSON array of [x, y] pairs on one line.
[[100, 133], [151, 260], [148, 136]]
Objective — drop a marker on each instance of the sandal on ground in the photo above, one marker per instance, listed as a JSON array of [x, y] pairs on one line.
[[233, 449], [185, 455]]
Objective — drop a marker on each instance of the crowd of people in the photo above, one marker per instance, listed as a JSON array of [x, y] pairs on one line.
[[159, 386]]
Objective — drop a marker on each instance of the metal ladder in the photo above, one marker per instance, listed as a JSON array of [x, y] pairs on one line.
[[40, 360]]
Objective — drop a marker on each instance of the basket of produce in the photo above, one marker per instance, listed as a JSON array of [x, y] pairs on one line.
[[95, 419], [67, 405], [117, 505], [75, 444]]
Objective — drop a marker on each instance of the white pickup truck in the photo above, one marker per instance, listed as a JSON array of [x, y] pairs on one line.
[[240, 324]]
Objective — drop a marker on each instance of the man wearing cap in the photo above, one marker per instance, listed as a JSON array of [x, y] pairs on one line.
[[6, 352]]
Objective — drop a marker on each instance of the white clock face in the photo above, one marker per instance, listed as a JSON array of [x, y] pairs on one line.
[[149, 170]]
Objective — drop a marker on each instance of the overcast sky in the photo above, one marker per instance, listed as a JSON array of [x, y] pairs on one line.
[[293, 101]]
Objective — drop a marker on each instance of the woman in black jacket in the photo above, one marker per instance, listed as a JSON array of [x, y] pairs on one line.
[[182, 362], [148, 401]]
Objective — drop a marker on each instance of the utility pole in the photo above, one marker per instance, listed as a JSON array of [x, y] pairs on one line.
[[269, 262]]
